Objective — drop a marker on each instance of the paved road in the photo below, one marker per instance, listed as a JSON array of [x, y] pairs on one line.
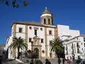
[[53, 61]]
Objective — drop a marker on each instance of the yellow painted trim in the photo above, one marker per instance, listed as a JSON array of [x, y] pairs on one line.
[[26, 34], [46, 42]]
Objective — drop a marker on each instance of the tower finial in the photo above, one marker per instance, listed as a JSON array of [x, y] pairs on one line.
[[46, 8]]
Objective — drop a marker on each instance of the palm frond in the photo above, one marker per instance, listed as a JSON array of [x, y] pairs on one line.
[[18, 42], [57, 46]]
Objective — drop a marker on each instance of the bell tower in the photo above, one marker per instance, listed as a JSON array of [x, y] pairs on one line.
[[46, 17]]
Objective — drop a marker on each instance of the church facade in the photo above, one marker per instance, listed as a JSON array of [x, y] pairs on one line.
[[40, 35]]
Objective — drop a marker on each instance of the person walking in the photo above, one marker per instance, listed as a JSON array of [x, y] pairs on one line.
[[63, 60], [0, 59], [59, 60], [47, 61]]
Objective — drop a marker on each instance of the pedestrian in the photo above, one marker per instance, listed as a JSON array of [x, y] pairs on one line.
[[59, 60], [0, 59], [47, 61], [38, 62], [63, 60], [79, 60], [32, 61]]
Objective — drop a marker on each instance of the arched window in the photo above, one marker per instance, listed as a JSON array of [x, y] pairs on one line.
[[44, 21], [48, 21]]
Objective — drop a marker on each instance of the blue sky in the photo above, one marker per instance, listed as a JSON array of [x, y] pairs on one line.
[[66, 12]]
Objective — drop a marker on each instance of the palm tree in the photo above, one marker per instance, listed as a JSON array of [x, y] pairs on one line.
[[19, 44], [58, 48]]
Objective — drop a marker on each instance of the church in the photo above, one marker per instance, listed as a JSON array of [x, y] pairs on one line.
[[40, 35]]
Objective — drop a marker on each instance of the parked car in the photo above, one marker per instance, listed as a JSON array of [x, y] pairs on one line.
[[68, 61]]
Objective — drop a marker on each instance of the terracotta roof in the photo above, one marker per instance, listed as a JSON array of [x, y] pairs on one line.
[[46, 11], [30, 23], [33, 23]]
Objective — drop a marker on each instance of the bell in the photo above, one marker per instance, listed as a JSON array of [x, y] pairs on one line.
[[25, 3]]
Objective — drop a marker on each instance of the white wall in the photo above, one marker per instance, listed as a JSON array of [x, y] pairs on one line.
[[40, 34], [64, 30], [74, 33], [49, 38]]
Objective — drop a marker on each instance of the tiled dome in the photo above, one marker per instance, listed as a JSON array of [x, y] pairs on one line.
[[46, 11]]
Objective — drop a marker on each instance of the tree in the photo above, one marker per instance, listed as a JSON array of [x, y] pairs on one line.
[[19, 44], [14, 3], [57, 47]]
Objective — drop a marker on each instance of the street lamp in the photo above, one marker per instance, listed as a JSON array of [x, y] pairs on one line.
[[32, 45], [31, 52]]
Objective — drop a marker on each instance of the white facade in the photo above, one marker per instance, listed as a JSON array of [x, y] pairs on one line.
[[73, 42], [41, 34]]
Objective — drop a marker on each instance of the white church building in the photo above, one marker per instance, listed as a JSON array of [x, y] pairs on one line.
[[42, 34]]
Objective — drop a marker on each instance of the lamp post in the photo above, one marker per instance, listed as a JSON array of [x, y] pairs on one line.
[[32, 45], [32, 53]]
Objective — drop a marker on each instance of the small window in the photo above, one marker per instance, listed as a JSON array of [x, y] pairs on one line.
[[50, 32], [50, 43], [77, 50], [40, 28], [41, 40], [84, 44], [43, 51], [44, 21], [77, 45], [35, 32], [30, 39], [30, 27], [48, 21], [20, 30], [84, 39]]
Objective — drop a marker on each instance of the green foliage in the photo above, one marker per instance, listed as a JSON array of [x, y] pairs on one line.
[[57, 46], [7, 3], [18, 43], [25, 3], [15, 5]]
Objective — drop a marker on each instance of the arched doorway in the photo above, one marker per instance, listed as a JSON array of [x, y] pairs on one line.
[[36, 52]]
